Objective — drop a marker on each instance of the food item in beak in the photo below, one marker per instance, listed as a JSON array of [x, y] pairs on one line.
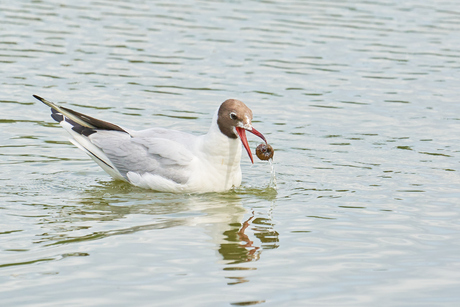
[[242, 134], [264, 151]]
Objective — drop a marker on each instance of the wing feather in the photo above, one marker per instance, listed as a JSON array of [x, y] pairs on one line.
[[157, 156], [162, 154]]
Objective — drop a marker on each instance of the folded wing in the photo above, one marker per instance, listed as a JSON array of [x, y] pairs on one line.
[[153, 154], [158, 152]]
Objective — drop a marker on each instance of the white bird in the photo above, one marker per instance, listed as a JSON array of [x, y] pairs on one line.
[[163, 159]]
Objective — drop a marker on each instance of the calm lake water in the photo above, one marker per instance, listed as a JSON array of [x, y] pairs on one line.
[[360, 99]]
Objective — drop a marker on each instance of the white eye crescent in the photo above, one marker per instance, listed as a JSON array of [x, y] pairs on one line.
[[233, 116]]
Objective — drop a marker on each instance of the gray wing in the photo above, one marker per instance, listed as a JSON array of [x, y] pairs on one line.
[[167, 153]]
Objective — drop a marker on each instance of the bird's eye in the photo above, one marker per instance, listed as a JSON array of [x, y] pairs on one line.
[[233, 116]]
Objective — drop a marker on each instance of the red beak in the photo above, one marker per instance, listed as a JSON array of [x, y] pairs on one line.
[[244, 140]]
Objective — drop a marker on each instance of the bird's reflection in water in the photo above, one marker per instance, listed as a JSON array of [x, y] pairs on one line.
[[240, 247], [244, 242], [239, 235]]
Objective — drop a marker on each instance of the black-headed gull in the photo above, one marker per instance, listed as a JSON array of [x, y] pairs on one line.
[[163, 159]]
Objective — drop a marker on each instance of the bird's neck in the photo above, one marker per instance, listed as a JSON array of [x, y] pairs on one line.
[[222, 149]]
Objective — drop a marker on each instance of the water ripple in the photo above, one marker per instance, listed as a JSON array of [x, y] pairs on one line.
[[359, 100]]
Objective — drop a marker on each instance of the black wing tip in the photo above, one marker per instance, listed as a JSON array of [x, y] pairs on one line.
[[75, 126], [57, 117], [94, 123], [38, 97], [81, 129]]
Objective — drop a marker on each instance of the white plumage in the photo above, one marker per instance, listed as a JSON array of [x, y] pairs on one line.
[[163, 159]]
